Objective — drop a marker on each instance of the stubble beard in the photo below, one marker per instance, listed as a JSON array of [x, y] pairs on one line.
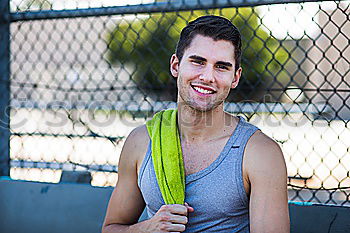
[[185, 99], [206, 108], [198, 107]]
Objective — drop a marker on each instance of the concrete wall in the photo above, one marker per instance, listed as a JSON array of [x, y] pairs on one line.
[[72, 208]]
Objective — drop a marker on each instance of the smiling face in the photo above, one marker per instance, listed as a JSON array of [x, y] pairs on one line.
[[206, 73]]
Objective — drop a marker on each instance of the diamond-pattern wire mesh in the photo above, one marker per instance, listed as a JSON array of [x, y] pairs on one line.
[[80, 85]]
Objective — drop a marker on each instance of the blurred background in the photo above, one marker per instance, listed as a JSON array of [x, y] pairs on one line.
[[78, 76]]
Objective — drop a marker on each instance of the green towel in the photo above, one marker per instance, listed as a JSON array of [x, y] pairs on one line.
[[167, 156]]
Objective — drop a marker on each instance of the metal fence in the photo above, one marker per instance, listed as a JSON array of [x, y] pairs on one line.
[[77, 76]]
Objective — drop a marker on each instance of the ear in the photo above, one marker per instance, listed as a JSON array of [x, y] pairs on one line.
[[174, 66], [236, 78]]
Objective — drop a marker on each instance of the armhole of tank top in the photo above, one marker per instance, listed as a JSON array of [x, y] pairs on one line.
[[240, 180], [144, 164]]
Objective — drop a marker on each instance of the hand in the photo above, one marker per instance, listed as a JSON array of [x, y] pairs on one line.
[[169, 218]]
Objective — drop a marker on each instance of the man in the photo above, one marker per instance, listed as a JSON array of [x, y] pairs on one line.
[[236, 177]]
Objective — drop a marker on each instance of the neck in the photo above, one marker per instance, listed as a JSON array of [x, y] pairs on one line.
[[196, 126]]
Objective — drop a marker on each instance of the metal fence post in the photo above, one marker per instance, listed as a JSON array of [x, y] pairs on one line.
[[4, 88]]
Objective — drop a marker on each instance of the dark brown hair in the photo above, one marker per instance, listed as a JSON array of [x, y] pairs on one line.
[[215, 27]]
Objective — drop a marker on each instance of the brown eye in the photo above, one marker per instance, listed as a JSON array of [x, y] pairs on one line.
[[197, 62], [222, 67]]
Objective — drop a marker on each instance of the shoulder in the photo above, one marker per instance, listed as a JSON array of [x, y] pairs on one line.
[[260, 142], [135, 146], [263, 157], [138, 135]]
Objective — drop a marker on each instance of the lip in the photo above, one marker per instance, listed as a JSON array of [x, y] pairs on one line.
[[203, 87], [208, 88]]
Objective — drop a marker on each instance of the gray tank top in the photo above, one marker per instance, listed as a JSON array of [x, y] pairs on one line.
[[216, 193]]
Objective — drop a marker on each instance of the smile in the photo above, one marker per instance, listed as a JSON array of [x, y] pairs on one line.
[[203, 90]]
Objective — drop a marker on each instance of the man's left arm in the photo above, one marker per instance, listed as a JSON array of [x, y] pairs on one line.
[[265, 170]]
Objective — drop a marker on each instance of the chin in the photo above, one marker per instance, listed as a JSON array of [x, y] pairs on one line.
[[203, 108], [199, 106]]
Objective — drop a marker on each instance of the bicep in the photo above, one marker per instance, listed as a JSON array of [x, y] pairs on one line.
[[268, 198]]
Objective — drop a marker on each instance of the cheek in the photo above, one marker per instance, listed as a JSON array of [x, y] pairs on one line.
[[189, 72], [181, 82], [225, 82]]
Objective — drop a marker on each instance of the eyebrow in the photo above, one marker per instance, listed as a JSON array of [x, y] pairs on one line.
[[199, 58], [228, 64]]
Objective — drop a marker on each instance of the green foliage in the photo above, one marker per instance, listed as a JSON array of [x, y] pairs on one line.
[[149, 41], [146, 44]]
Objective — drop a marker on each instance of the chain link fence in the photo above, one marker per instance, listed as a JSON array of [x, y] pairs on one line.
[[83, 74]]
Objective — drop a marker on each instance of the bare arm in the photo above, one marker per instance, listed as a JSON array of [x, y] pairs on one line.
[[267, 174], [126, 203]]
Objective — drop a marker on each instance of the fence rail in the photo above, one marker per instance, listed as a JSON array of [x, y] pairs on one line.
[[4, 92], [162, 6]]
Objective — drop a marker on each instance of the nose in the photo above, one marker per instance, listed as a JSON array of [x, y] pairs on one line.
[[207, 74]]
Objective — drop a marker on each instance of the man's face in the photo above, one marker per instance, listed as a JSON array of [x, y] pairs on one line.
[[206, 73]]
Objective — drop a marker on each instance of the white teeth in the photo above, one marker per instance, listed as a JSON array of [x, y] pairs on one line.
[[203, 91]]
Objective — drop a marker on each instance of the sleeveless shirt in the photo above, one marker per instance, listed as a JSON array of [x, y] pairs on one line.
[[216, 193]]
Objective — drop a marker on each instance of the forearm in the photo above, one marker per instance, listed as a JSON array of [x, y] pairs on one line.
[[119, 228]]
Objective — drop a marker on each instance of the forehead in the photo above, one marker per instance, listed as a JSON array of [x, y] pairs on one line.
[[220, 50]]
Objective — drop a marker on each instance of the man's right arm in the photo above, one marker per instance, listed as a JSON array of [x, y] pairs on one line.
[[126, 203]]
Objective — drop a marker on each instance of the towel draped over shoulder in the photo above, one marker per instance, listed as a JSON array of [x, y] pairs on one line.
[[167, 156]]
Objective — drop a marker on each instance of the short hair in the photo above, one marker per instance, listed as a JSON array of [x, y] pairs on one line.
[[215, 27]]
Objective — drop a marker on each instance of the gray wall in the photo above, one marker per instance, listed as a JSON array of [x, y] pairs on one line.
[[72, 208]]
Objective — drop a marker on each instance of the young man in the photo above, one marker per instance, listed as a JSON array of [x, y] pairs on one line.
[[236, 177]]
